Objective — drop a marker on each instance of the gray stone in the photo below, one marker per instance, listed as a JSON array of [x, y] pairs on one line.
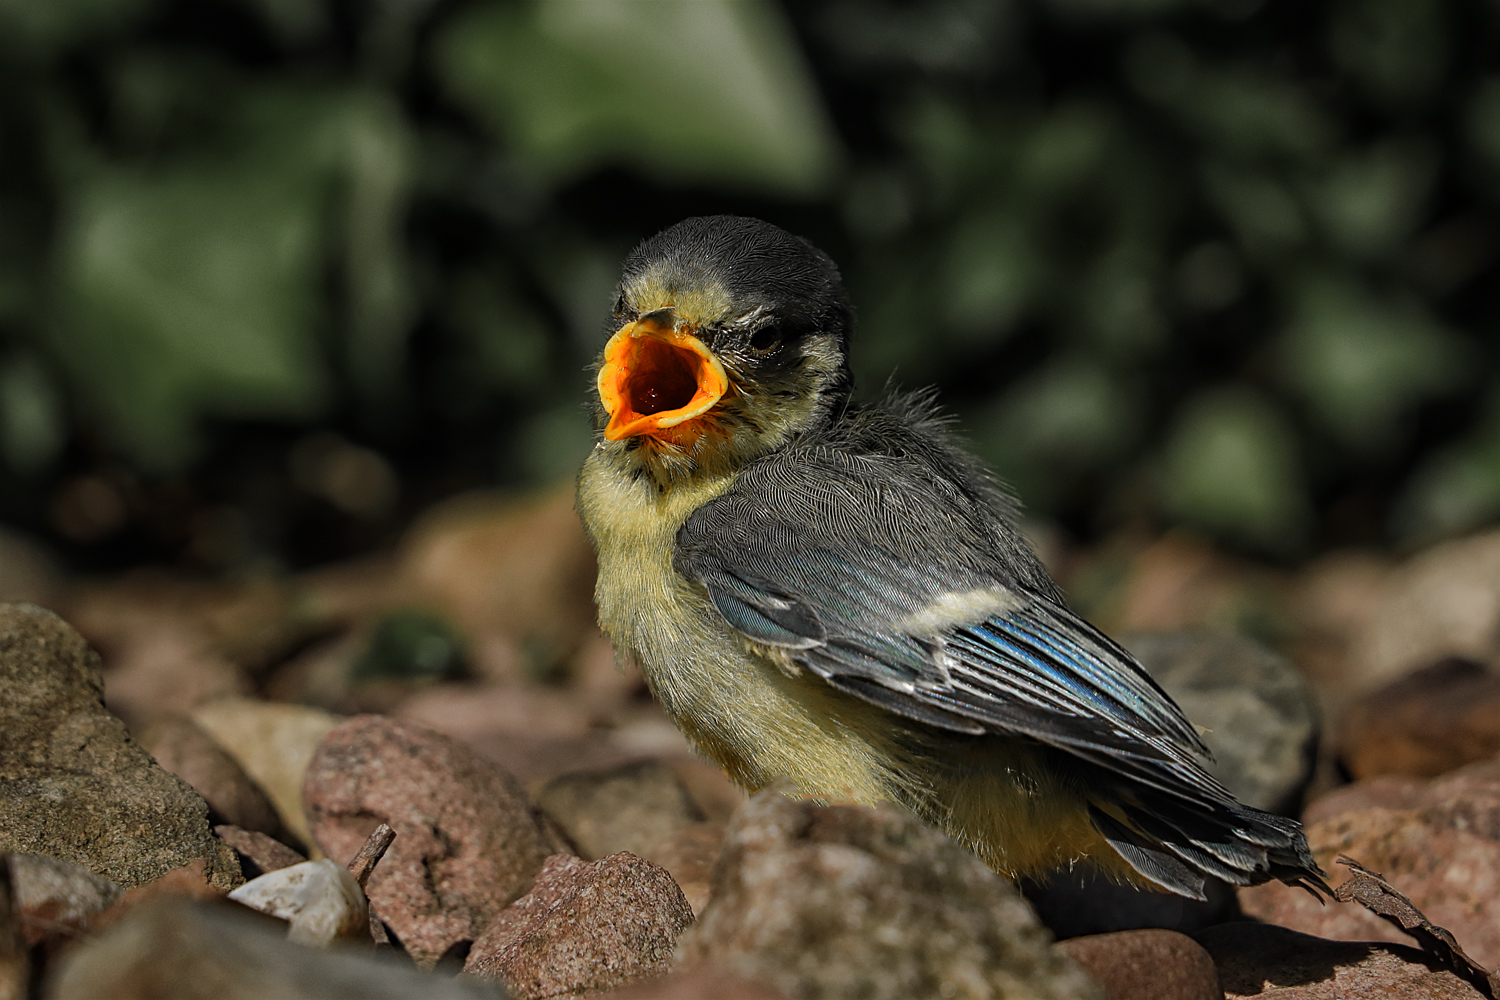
[[73, 784], [218, 951], [853, 902], [1260, 717], [627, 808]]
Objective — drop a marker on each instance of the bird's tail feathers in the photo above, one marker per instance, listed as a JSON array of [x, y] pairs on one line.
[[1175, 844]]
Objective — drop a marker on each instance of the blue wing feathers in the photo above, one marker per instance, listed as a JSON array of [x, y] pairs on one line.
[[812, 553]]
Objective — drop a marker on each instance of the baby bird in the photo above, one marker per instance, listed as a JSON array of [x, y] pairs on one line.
[[835, 593]]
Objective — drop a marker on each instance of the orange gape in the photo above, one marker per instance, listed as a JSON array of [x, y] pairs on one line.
[[656, 377]]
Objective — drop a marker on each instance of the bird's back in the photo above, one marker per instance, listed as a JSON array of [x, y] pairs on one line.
[[877, 557]]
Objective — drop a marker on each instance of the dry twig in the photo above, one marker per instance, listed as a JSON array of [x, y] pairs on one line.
[[369, 855], [1375, 894]]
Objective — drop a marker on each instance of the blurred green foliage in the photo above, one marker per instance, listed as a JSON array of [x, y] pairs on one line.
[[1227, 263], [411, 645]]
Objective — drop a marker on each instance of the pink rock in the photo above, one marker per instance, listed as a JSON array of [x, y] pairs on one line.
[[1427, 723], [1273, 963], [1445, 858], [1388, 791], [689, 855], [1444, 601], [15, 964], [626, 808], [468, 841], [56, 900], [1474, 789], [258, 853], [584, 927], [1146, 965]]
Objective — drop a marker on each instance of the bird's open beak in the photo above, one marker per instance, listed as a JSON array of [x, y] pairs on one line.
[[656, 377]]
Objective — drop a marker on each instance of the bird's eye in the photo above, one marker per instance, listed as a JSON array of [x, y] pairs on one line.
[[766, 339]]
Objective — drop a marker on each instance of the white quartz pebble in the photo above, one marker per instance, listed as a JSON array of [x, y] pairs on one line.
[[320, 899]]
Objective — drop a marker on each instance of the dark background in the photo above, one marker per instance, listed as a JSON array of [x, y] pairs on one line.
[[277, 274]]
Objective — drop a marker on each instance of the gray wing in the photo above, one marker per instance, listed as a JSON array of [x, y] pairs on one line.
[[841, 560]]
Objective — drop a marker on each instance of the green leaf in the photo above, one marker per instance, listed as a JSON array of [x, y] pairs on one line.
[[1251, 115], [1064, 149], [1484, 123], [1371, 201], [1072, 413], [411, 645], [1457, 489], [503, 334], [992, 273], [1396, 50], [1231, 467], [686, 90], [197, 286], [1115, 9], [1118, 306], [1361, 362], [1259, 208], [53, 24], [32, 423], [188, 292], [374, 159]]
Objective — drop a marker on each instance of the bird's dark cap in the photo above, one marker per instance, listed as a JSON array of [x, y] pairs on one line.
[[752, 261]]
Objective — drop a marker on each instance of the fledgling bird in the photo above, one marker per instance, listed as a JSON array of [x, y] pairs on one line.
[[836, 593]]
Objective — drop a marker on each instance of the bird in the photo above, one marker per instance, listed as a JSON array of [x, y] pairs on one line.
[[833, 596]]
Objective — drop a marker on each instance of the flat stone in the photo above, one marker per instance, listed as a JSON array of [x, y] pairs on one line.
[[626, 808], [274, 743], [73, 784], [584, 927], [1256, 960], [258, 853], [1427, 723], [15, 963], [182, 747], [698, 984], [1445, 858], [468, 840], [57, 898], [219, 951], [847, 901], [1146, 965]]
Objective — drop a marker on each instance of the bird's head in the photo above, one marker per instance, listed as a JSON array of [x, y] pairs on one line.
[[729, 338]]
